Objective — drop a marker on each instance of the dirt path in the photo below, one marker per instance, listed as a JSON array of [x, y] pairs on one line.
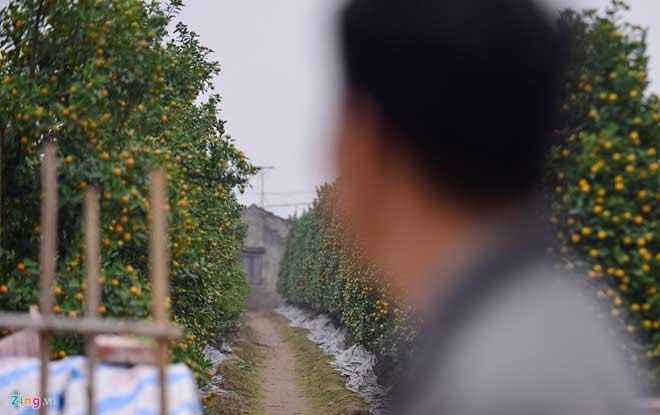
[[281, 394]]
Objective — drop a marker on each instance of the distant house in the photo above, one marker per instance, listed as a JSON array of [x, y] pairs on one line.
[[262, 252]]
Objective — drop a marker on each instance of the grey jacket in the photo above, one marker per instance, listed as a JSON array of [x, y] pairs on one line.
[[516, 338]]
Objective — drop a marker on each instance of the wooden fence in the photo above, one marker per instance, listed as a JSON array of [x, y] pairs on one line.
[[91, 324]]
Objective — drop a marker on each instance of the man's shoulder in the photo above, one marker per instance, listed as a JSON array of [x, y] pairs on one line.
[[537, 303], [538, 309], [537, 337]]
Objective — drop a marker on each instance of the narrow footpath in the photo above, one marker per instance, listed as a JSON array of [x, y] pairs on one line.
[[280, 389], [276, 370]]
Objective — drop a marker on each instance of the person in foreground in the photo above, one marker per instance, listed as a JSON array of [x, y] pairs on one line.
[[447, 112]]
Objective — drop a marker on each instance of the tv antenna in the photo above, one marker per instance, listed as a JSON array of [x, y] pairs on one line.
[[262, 173]]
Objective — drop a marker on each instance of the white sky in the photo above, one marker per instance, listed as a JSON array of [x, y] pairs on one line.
[[279, 83]]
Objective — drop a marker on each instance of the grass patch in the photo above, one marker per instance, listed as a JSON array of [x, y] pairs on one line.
[[324, 388], [241, 379]]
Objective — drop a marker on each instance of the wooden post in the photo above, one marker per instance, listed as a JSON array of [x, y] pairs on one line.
[[3, 188], [47, 258], [93, 289], [159, 274], [3, 231], [2, 222]]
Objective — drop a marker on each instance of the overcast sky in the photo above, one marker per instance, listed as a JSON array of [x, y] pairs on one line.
[[279, 83]]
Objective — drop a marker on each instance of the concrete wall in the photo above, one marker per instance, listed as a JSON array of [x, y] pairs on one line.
[[266, 239]]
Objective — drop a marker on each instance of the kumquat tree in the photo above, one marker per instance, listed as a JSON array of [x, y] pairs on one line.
[[321, 270], [122, 90], [607, 199]]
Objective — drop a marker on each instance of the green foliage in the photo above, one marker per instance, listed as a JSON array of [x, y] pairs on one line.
[[322, 271], [121, 95], [606, 164]]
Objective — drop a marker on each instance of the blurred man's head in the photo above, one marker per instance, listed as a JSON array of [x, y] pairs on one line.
[[449, 105]]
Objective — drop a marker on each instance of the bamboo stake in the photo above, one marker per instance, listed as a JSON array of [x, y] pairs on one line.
[[93, 291], [90, 326], [159, 274], [3, 231], [2, 222], [4, 182], [47, 257]]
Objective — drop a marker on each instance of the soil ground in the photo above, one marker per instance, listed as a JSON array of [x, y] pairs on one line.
[[280, 388], [276, 370], [241, 378]]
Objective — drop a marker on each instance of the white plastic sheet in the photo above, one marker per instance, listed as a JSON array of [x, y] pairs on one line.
[[216, 357], [352, 361]]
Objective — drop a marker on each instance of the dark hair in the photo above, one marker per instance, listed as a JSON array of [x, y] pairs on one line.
[[469, 86]]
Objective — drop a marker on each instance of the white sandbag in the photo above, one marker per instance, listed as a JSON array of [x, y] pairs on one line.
[[119, 389]]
